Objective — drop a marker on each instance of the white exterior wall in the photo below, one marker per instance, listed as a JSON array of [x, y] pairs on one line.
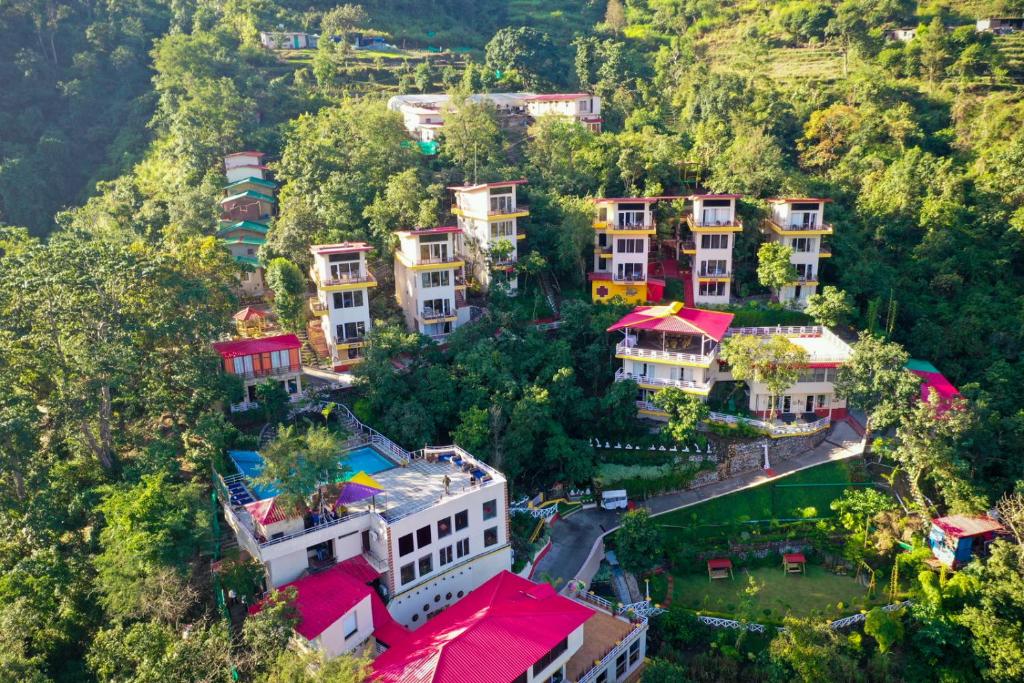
[[476, 226], [241, 159], [798, 393], [784, 215], [242, 172], [332, 642], [575, 643], [614, 236], [723, 253], [409, 289], [664, 371], [339, 315], [462, 574]]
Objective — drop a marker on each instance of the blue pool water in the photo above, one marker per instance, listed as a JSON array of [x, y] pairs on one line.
[[362, 459]]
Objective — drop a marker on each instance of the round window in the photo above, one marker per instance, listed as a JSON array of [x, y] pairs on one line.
[[415, 617], [437, 598], [426, 607], [460, 594], [448, 597]]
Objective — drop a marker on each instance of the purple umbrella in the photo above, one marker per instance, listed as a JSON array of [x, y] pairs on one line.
[[359, 486]]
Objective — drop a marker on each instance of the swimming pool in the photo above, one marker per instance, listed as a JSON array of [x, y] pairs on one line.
[[363, 459]]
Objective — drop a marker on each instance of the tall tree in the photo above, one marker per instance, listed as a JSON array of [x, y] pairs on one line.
[[288, 283], [830, 307], [774, 268], [298, 463], [685, 412], [775, 362]]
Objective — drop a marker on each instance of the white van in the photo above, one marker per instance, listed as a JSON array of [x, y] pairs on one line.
[[614, 500]]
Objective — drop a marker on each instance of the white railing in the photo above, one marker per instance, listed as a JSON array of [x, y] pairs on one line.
[[544, 327], [647, 405], [606, 661], [859, 618], [623, 348], [801, 227], [621, 375], [793, 429], [716, 622], [700, 223], [785, 330], [536, 513], [313, 529]]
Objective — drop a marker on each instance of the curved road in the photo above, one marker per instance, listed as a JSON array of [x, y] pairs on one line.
[[573, 538]]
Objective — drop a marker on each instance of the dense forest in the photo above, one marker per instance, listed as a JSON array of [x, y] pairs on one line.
[[115, 117]]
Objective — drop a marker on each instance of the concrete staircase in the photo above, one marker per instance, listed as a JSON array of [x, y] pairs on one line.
[[315, 352]]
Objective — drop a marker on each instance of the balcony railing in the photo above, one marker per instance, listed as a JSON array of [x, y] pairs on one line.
[[317, 306], [774, 429], [621, 375], [643, 225], [431, 314], [688, 245], [436, 260], [649, 406], [623, 349], [715, 273], [825, 251], [504, 210], [638, 277], [799, 227], [734, 224], [269, 372], [341, 278]]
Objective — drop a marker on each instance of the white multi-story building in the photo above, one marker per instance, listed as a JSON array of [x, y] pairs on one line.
[[799, 224], [488, 216], [424, 115], [713, 226], [430, 281], [623, 229], [342, 300], [437, 529], [583, 107], [243, 165]]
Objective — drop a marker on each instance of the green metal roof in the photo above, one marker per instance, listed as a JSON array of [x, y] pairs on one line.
[[254, 180], [258, 241], [240, 226], [250, 194], [251, 260], [920, 366]]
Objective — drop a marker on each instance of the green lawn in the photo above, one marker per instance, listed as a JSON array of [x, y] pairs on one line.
[[815, 593], [776, 499]]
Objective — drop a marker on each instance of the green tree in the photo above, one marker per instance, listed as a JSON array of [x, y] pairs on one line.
[[830, 307], [342, 20], [775, 362], [659, 670], [273, 400], [424, 76], [638, 541], [885, 627], [287, 282], [875, 380], [774, 268], [615, 16], [812, 652], [153, 525], [685, 412], [527, 53], [404, 203], [471, 139], [935, 54], [148, 651], [752, 164], [298, 463]]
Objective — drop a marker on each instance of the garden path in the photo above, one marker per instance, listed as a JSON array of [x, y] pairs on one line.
[[577, 541]]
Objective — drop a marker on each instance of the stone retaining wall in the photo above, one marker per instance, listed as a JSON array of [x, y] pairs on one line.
[[744, 457]]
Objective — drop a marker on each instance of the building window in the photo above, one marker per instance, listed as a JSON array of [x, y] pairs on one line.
[[714, 241], [351, 625], [500, 229], [405, 545], [805, 271], [444, 556], [822, 400], [348, 299], [436, 278], [437, 307], [422, 536], [631, 272], [711, 289], [490, 509], [349, 331], [802, 245], [461, 520], [490, 536], [546, 661], [408, 573], [620, 665], [462, 548], [602, 677], [630, 246], [714, 267], [444, 527], [634, 652], [426, 564]]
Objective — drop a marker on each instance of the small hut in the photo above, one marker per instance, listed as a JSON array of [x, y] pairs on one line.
[[955, 539], [794, 563], [719, 568], [250, 322]]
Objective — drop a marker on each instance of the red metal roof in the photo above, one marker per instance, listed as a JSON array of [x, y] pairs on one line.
[[503, 183], [674, 318], [626, 199], [783, 200], [266, 511], [555, 97], [358, 568], [249, 313], [794, 557], [495, 634], [249, 347], [431, 231], [324, 598], [340, 248], [249, 153], [720, 563], [960, 526], [715, 196]]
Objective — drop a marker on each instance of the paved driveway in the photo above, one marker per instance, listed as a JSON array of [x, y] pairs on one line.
[[573, 538]]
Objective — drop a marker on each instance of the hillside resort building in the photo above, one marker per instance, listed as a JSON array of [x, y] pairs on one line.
[[424, 115], [713, 227], [342, 302], [488, 215], [623, 228], [674, 346], [255, 361], [247, 204], [430, 280], [799, 224]]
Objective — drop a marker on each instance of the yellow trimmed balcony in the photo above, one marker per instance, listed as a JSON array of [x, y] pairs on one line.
[[317, 307], [438, 263], [797, 230], [502, 213], [649, 382], [825, 251], [625, 351], [688, 247], [344, 282], [735, 225]]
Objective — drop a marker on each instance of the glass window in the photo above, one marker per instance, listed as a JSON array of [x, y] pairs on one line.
[[350, 624], [436, 278], [634, 652], [405, 545], [426, 564], [490, 509], [348, 299], [620, 665], [348, 331], [408, 573], [422, 536], [490, 536], [444, 527], [461, 520], [444, 556], [462, 548]]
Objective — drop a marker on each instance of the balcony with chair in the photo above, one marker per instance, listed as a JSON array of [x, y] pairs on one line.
[[703, 226]]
